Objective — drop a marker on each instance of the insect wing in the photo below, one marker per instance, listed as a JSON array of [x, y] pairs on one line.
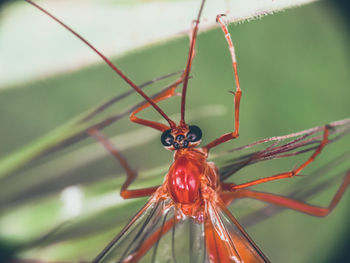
[[157, 234], [129, 244], [226, 240], [284, 146]]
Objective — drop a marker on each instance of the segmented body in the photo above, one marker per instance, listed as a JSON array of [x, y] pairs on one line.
[[192, 186]]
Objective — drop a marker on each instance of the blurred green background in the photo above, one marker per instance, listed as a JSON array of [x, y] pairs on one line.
[[293, 69]]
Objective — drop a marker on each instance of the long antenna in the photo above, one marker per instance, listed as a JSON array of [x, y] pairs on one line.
[[189, 64], [110, 64]]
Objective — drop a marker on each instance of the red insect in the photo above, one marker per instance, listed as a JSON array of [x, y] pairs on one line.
[[192, 195]]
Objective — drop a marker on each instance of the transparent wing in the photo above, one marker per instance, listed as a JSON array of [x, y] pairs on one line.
[[157, 234], [141, 233], [226, 240]]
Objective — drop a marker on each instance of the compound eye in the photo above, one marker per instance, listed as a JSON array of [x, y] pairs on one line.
[[180, 137], [167, 139], [195, 133], [185, 144], [176, 145]]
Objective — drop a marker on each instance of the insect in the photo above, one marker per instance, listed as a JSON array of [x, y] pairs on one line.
[[192, 191]]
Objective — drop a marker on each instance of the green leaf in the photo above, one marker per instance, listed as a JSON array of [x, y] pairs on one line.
[[131, 25]]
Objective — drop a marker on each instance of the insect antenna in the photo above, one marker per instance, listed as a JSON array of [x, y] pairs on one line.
[[110, 102], [109, 63], [189, 64]]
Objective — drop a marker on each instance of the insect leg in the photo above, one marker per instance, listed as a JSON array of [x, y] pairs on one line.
[[168, 93], [131, 174], [295, 204], [237, 93], [294, 172]]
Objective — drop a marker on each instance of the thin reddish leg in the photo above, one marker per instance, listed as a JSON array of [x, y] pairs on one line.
[[130, 174], [295, 204], [294, 172], [238, 93], [163, 96], [109, 63]]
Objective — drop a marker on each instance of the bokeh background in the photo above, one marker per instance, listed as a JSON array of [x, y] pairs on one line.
[[293, 70]]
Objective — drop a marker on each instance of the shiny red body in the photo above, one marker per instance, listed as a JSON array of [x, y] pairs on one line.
[[190, 179], [185, 175]]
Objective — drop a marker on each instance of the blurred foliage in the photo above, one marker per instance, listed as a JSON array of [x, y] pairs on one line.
[[344, 7], [3, 2], [293, 71], [148, 22]]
